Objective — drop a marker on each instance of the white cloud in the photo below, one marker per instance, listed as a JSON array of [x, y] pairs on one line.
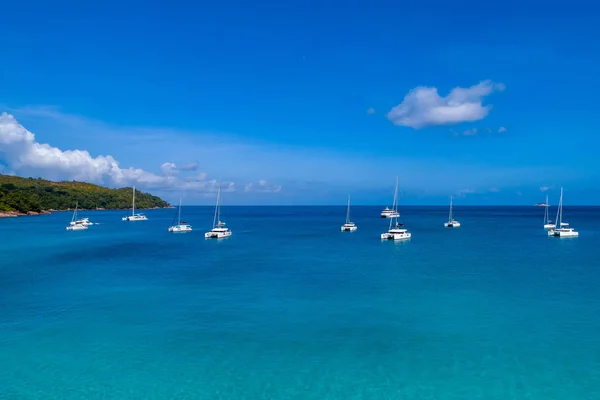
[[501, 129], [262, 186], [470, 132], [23, 155], [544, 188], [423, 106]]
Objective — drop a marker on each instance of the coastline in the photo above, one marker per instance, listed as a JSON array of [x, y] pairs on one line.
[[15, 214]]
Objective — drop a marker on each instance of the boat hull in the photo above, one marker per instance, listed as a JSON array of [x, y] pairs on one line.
[[549, 226], [217, 235], [396, 235], [135, 218], [77, 227], [180, 228], [452, 224]]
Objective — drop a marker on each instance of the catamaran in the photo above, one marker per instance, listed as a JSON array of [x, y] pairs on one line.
[[451, 222], [563, 230], [547, 223], [395, 230], [179, 225], [134, 216], [348, 226], [392, 212], [76, 224], [218, 230]]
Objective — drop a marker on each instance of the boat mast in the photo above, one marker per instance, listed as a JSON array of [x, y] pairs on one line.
[[348, 211], [133, 203], [559, 211], [546, 212], [179, 213], [395, 205], [450, 216], [217, 207], [75, 212]]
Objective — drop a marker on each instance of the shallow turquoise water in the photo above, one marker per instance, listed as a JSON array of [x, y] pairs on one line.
[[289, 307]]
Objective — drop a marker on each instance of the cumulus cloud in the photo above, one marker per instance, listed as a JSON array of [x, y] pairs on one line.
[[21, 154], [262, 186], [423, 106]]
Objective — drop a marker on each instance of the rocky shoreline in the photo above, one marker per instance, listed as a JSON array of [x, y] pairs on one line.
[[14, 214]]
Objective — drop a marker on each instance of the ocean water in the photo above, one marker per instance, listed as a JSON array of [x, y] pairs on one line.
[[289, 307]]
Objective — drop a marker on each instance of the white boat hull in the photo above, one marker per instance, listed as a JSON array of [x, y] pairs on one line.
[[217, 234], [563, 233], [390, 215], [452, 224], [133, 218], [549, 226], [396, 234], [180, 228], [348, 228], [77, 227]]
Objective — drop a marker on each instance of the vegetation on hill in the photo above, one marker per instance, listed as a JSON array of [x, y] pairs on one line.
[[34, 195]]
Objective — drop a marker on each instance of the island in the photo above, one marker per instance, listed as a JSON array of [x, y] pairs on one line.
[[33, 196]]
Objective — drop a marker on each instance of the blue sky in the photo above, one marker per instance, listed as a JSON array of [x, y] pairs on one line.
[[304, 102]]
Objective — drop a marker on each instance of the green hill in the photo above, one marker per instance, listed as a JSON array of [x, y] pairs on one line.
[[25, 195]]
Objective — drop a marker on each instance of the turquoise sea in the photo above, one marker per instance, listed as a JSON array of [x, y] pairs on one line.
[[289, 307]]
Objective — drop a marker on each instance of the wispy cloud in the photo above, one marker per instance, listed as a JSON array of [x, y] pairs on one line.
[[544, 188], [501, 129], [262, 186], [371, 111], [423, 106]]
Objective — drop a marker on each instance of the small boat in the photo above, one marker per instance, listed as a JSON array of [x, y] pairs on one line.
[[82, 221], [134, 216], [218, 230], [547, 223], [74, 225], [564, 230], [348, 226], [395, 230], [179, 225], [451, 222], [392, 212]]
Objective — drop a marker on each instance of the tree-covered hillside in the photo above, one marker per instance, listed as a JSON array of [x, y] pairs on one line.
[[29, 194]]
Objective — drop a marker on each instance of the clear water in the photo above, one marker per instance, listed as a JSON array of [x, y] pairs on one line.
[[289, 307]]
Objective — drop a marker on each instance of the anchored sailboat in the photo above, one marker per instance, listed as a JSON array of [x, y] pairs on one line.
[[392, 212], [134, 216], [395, 230], [563, 230], [179, 225], [218, 230], [547, 223], [451, 222], [348, 226], [77, 225]]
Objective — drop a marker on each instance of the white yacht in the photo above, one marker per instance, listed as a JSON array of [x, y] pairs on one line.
[[134, 216], [563, 230], [218, 230], [179, 225], [395, 230], [75, 224], [348, 226], [451, 222], [82, 221], [392, 212], [547, 223]]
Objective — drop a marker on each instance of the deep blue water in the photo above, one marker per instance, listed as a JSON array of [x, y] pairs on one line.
[[289, 307]]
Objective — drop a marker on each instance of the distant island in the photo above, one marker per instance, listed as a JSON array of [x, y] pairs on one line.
[[30, 196]]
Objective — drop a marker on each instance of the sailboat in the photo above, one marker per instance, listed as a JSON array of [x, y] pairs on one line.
[[392, 212], [348, 226], [134, 216], [547, 223], [218, 230], [451, 222], [179, 225], [395, 230], [76, 225], [563, 230]]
